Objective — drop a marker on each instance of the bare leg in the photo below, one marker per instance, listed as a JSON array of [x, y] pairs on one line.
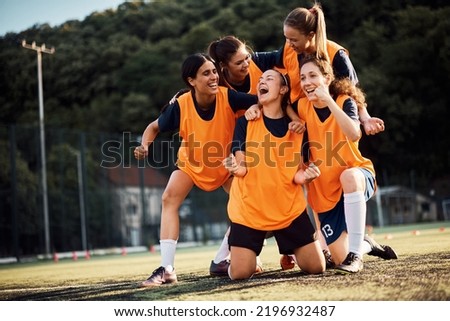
[[243, 263], [176, 191], [310, 258]]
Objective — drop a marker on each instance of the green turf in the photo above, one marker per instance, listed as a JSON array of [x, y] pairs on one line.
[[422, 272]]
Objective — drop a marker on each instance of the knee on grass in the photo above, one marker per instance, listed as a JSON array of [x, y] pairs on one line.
[[239, 273]]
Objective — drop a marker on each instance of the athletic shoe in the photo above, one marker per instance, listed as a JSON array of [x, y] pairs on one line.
[[219, 269], [328, 260], [287, 262], [159, 277], [352, 264], [383, 251]]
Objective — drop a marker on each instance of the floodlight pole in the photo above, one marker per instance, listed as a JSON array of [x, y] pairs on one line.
[[81, 199], [39, 50]]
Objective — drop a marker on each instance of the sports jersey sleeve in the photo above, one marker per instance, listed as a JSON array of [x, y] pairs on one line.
[[240, 101], [343, 67], [294, 106], [268, 60], [240, 134], [351, 109], [169, 120]]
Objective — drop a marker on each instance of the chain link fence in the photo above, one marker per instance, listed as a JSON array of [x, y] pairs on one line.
[[98, 195]]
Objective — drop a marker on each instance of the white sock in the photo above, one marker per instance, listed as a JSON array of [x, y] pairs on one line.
[[168, 248], [355, 218], [224, 252]]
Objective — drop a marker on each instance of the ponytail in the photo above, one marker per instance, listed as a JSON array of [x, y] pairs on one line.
[[310, 20], [321, 33]]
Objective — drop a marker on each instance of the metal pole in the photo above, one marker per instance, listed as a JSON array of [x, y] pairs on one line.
[[77, 153], [39, 50], [81, 197]]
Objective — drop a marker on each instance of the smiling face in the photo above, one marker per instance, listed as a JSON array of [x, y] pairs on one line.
[[312, 77], [238, 64], [271, 87], [206, 80], [298, 41]]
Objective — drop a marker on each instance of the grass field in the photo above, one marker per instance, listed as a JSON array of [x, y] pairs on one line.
[[422, 273]]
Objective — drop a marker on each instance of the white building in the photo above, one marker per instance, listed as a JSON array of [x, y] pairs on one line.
[[138, 202]]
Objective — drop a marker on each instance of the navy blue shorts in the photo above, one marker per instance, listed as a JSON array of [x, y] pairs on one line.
[[332, 222], [301, 232]]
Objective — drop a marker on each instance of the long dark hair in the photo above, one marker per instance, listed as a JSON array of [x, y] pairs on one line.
[[189, 69], [222, 50], [191, 65]]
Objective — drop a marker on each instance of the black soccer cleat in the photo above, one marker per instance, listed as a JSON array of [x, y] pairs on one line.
[[328, 259], [353, 263], [383, 251]]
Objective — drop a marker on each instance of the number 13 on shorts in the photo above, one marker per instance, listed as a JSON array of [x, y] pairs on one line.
[[327, 231]]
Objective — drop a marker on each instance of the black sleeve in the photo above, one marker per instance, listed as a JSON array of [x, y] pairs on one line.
[[169, 120], [239, 100], [240, 134], [305, 147], [343, 67], [351, 109], [295, 106], [268, 60]]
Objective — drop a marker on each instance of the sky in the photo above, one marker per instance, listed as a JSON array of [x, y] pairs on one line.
[[19, 15]]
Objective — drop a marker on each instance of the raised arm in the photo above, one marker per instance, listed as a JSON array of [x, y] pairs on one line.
[[349, 126]]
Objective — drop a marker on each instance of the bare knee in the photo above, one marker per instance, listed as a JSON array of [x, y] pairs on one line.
[[352, 180], [312, 266], [242, 264], [240, 273], [316, 267], [169, 198]]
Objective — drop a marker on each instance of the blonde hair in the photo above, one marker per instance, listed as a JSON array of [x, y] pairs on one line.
[[311, 20]]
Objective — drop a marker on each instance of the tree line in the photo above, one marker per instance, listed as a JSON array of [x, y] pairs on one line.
[[113, 71]]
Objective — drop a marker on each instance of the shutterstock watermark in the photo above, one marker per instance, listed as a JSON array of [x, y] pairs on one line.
[[120, 153], [211, 153]]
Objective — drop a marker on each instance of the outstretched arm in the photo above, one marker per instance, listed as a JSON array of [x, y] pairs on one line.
[[148, 137], [371, 125]]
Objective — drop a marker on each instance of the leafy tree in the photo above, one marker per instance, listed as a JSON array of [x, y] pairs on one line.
[[113, 71]]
